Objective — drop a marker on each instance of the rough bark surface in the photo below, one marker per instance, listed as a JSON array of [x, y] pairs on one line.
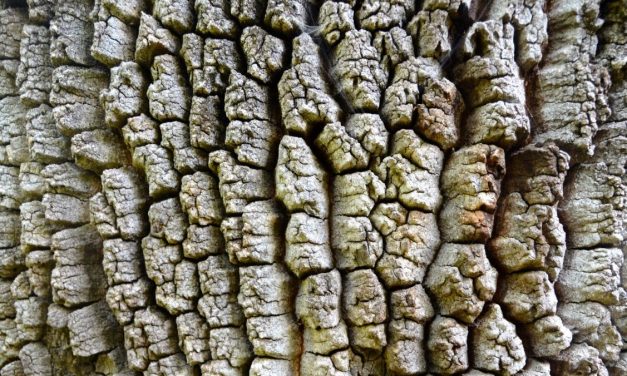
[[313, 187]]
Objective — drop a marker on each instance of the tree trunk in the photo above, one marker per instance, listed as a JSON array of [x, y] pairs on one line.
[[310, 187]]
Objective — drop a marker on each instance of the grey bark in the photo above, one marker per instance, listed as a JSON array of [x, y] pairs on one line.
[[313, 188]]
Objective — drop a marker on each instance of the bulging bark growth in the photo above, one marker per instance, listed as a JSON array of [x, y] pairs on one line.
[[313, 188]]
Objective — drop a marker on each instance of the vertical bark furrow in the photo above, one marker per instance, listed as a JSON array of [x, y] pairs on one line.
[[303, 186], [530, 23], [14, 332], [489, 78], [210, 62], [30, 288], [530, 243], [570, 84], [82, 330], [147, 247], [611, 141], [592, 296], [120, 210]]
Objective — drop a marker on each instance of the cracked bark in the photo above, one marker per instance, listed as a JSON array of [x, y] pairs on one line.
[[273, 187]]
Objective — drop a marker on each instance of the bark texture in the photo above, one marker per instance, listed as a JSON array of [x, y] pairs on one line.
[[313, 187]]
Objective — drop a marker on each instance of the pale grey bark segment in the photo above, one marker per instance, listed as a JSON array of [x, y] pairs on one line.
[[8, 73], [301, 182], [252, 132], [10, 194], [77, 277], [202, 241], [200, 199], [40, 11], [493, 88], [497, 346], [343, 151], [125, 190], [192, 54], [304, 95], [125, 97], [248, 11], [35, 232], [175, 137], [239, 184], [411, 310], [394, 46], [528, 212], [174, 14], [150, 337], [263, 223], [358, 72], [335, 19], [35, 359], [6, 300], [307, 249], [45, 142], [412, 172], [435, 111], [207, 130], [99, 149], [447, 346], [39, 264], [364, 304], [140, 130], [69, 179], [11, 24], [570, 109], [121, 261], [14, 368], [265, 54], [384, 14], [176, 279], [221, 57], [64, 210], [214, 18], [9, 229], [161, 176], [127, 298], [32, 184], [286, 16], [318, 301], [411, 240], [153, 39], [93, 330], [168, 94], [471, 185], [11, 262], [600, 198], [580, 358], [71, 33], [35, 70], [528, 296], [265, 290], [591, 275], [530, 21], [462, 280], [74, 95], [193, 337], [548, 336], [114, 40]]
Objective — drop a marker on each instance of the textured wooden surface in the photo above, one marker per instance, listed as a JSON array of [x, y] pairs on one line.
[[313, 188]]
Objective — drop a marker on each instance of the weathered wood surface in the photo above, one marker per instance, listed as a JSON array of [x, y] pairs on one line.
[[313, 187]]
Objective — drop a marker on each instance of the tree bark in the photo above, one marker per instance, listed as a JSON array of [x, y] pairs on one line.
[[313, 187]]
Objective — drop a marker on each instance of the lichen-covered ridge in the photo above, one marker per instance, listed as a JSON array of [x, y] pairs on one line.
[[313, 187]]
